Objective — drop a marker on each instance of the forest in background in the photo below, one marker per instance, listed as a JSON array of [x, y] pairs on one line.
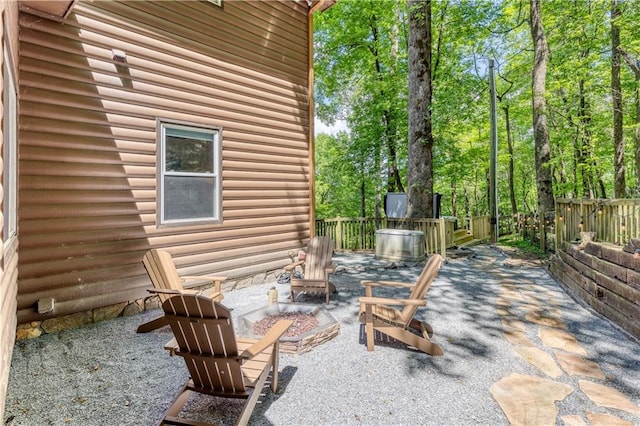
[[361, 70]]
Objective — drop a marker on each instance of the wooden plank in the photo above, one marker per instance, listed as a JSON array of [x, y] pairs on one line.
[[205, 38], [28, 314], [633, 279], [625, 312], [577, 265], [29, 285], [579, 255], [610, 269], [69, 293], [618, 288], [615, 254]]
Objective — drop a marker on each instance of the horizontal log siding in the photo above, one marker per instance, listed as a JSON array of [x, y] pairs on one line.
[[88, 143], [9, 254]]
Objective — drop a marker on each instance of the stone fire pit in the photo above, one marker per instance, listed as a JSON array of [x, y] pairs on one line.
[[326, 328]]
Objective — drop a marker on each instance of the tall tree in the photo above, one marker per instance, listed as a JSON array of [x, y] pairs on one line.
[[540, 131], [634, 65], [616, 94], [420, 166]]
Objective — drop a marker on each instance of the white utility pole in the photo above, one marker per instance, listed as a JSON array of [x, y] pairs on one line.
[[493, 167]]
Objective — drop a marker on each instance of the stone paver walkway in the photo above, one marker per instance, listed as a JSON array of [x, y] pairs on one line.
[[529, 310]]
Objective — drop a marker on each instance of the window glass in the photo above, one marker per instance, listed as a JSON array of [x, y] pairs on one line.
[[189, 181], [189, 155], [189, 197]]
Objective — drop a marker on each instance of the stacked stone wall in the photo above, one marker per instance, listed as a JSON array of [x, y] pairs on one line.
[[605, 277]]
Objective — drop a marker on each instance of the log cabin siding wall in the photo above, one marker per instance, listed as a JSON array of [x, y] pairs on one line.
[[9, 261], [88, 142]]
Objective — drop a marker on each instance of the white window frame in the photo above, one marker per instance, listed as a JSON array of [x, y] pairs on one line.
[[215, 174], [9, 151]]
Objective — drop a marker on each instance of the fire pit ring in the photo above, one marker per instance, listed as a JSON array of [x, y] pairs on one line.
[[328, 327]]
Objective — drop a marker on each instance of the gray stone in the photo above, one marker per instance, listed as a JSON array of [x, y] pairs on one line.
[[108, 312], [78, 319]]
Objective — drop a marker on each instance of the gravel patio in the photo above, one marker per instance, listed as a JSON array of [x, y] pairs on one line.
[[105, 373]]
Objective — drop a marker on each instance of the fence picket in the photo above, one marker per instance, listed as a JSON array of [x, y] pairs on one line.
[[359, 233]]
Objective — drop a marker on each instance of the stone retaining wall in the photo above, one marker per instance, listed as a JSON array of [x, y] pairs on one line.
[[605, 277], [35, 329]]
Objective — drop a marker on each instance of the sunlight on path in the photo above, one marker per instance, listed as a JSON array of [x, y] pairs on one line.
[[532, 322]]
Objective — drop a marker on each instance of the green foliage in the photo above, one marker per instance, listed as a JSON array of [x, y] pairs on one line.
[[361, 76], [524, 247]]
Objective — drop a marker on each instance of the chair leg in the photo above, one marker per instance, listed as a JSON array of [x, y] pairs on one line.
[[171, 415], [421, 343], [368, 318], [152, 325], [247, 410], [274, 366]]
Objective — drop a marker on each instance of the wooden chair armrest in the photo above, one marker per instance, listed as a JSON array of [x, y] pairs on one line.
[[387, 284], [216, 281], [292, 266], [269, 339], [215, 295], [166, 291], [391, 301], [331, 268], [211, 278]]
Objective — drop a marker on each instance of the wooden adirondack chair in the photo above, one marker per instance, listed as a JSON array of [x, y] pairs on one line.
[[317, 267], [164, 276], [218, 363], [402, 325]]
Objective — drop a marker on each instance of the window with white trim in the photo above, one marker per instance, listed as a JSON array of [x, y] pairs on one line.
[[189, 174], [9, 151]]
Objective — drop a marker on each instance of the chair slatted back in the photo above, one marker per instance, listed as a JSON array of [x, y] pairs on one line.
[[419, 291], [319, 254], [162, 271], [206, 340]]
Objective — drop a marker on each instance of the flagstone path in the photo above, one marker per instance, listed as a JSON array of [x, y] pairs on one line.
[[532, 321]]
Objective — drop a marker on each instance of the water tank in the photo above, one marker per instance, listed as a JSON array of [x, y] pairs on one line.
[[399, 244]]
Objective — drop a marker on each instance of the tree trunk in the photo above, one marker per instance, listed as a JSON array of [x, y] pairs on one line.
[[588, 186], [420, 167], [540, 132], [616, 93], [634, 64], [512, 190]]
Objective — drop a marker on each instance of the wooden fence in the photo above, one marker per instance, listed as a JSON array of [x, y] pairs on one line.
[[440, 234], [613, 221]]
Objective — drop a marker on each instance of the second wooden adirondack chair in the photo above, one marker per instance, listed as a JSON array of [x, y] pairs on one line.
[[164, 276], [317, 267], [377, 315]]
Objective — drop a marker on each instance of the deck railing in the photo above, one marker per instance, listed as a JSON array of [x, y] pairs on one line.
[[613, 221], [360, 233]]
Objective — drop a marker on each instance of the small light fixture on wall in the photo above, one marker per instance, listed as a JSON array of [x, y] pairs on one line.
[[119, 55]]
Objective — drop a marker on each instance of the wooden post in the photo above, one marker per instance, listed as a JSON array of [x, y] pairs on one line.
[[339, 234], [443, 238], [558, 226]]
